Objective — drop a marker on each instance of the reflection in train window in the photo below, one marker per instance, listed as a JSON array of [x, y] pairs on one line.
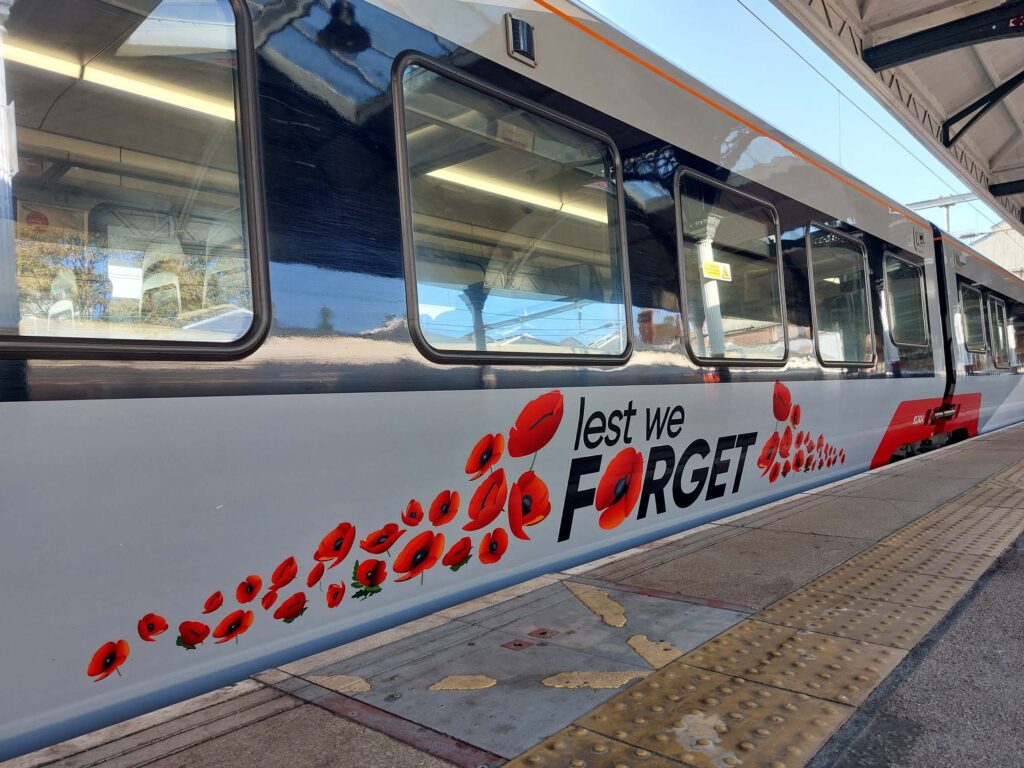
[[997, 319], [128, 214], [905, 297], [838, 267], [515, 225], [973, 311], [728, 244]]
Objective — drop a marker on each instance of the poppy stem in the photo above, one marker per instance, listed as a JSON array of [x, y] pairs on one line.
[[118, 672], [534, 460], [421, 579]]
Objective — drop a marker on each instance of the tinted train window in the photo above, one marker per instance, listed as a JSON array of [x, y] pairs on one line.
[[838, 268], [728, 245], [997, 317], [905, 298], [972, 307], [128, 219], [514, 225]]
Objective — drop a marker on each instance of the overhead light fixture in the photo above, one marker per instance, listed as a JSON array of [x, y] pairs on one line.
[[117, 81], [520, 194]]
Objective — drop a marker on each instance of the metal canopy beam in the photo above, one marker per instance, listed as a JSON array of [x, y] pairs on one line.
[[978, 108], [1005, 21], [1007, 188]]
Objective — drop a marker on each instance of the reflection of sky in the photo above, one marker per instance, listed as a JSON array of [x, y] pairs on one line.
[[725, 45], [358, 302]]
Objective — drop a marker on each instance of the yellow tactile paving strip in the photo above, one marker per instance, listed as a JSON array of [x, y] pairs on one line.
[[772, 689]]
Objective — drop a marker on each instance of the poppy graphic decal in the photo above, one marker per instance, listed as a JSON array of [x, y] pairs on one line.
[[782, 401], [619, 488], [459, 554], [284, 573], [794, 450], [232, 625], [773, 473], [786, 467], [786, 443], [292, 608], [315, 575], [269, 599], [419, 555], [248, 589], [493, 546], [444, 508], [335, 546], [798, 461], [151, 625], [413, 514], [379, 542], [536, 425], [528, 504], [771, 447], [367, 576], [213, 602], [107, 659], [487, 502], [191, 634], [335, 592], [485, 454]]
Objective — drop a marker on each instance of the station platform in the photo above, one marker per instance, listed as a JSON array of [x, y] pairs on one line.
[[874, 621]]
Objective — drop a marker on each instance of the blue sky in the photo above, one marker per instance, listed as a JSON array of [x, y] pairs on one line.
[[750, 51]]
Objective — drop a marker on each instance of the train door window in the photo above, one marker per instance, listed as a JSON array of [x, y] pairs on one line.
[[997, 323], [513, 225], [732, 287], [905, 301], [127, 218], [841, 307], [972, 309]]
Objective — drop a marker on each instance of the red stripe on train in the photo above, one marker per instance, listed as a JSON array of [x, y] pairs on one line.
[[912, 423]]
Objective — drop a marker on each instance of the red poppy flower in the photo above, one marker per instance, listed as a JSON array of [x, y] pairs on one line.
[[419, 555], [459, 554], [413, 514], [284, 573], [773, 473], [336, 545], [619, 488], [232, 625], [487, 502], [291, 608], [485, 454], [493, 546], [269, 599], [213, 602], [367, 578], [821, 442], [381, 541], [798, 441], [821, 463], [107, 659], [528, 504], [151, 625], [334, 594], [795, 415], [444, 508], [786, 442], [248, 589], [842, 457], [781, 401], [191, 634], [786, 468], [315, 575], [536, 425], [771, 446], [798, 461]]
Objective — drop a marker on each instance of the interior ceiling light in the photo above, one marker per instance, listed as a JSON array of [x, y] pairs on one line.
[[93, 73], [522, 195]]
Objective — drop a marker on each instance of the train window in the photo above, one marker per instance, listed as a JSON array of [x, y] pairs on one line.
[[728, 246], [513, 225], [905, 299], [973, 311], [129, 221], [997, 322], [841, 306]]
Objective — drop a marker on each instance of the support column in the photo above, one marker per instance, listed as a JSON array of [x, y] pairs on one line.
[[709, 289]]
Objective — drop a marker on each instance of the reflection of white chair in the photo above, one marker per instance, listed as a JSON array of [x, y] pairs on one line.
[[63, 289], [169, 256], [226, 262]]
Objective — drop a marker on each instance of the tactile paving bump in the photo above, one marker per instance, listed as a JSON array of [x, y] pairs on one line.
[[710, 720], [986, 534], [936, 562], [576, 747], [873, 621], [836, 668], [920, 589]]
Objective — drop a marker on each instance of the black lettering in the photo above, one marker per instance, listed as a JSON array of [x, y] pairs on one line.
[[595, 428], [614, 428], [675, 422], [719, 467], [656, 485], [579, 424], [656, 421], [684, 499], [630, 413], [743, 442], [574, 497]]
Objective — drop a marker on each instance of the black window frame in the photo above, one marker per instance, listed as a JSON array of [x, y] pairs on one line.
[[252, 196], [888, 300], [869, 299], [463, 357], [733, 362], [984, 350]]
